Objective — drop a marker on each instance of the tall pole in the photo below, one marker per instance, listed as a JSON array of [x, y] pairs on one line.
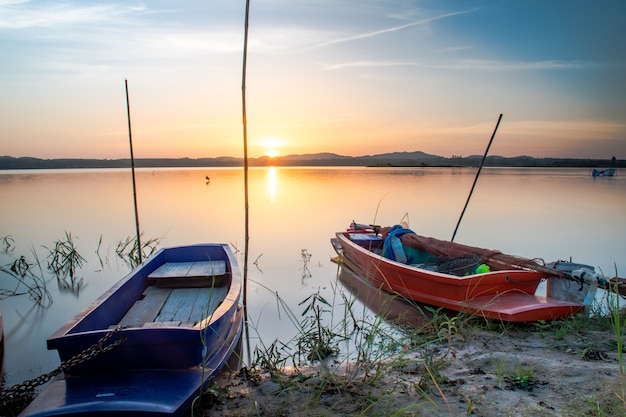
[[245, 181], [132, 165], [476, 178]]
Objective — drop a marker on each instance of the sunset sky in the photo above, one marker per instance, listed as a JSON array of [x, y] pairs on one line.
[[353, 77]]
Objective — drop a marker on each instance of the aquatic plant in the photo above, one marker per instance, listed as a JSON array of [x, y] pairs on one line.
[[129, 250], [7, 243], [64, 260], [29, 279], [316, 341], [349, 347]]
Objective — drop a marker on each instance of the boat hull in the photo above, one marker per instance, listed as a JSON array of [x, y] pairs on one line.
[[145, 392], [168, 346], [154, 369], [507, 295], [608, 172]]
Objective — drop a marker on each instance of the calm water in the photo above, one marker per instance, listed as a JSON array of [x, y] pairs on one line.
[[548, 213]]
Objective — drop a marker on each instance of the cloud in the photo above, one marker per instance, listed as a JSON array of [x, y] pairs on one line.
[[386, 30], [25, 14], [581, 129], [469, 65]]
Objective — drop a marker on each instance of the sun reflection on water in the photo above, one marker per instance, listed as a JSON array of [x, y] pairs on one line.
[[271, 183]]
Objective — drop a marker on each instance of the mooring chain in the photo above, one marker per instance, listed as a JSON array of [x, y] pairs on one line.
[[7, 394]]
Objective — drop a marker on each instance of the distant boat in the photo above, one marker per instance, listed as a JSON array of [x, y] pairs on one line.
[[171, 324], [458, 277], [607, 172]]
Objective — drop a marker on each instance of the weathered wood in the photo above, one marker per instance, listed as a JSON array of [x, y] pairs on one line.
[[189, 274], [188, 297], [162, 324], [179, 299], [209, 299], [172, 307], [171, 270], [146, 309]]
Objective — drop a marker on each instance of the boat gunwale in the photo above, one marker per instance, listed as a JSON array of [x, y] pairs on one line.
[[487, 305], [440, 276], [230, 301]]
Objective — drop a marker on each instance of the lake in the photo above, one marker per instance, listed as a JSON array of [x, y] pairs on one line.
[[547, 213]]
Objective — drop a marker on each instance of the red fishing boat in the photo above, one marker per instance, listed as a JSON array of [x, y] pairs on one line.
[[462, 278]]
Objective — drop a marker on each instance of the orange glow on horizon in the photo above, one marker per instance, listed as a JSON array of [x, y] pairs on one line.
[[271, 146]]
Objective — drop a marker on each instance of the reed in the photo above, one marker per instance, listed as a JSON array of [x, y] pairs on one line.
[[27, 282], [342, 349], [27, 276], [132, 250], [8, 243], [64, 260], [618, 320]]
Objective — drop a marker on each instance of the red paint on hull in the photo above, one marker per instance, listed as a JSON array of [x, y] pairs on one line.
[[507, 295]]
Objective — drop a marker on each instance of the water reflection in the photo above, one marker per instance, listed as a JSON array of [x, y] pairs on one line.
[[271, 186], [549, 213], [392, 308]]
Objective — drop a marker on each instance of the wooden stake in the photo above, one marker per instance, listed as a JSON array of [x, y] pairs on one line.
[[476, 179], [245, 181], [132, 165]]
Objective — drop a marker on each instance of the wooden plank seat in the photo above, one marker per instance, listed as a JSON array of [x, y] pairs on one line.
[[174, 306], [147, 308], [189, 274]]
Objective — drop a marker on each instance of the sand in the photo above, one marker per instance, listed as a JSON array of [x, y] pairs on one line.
[[529, 370]]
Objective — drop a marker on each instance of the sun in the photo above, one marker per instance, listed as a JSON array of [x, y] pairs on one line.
[[272, 146]]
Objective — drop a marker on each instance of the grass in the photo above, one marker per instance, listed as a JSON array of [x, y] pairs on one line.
[[618, 320], [343, 355], [351, 352], [26, 276], [129, 250], [63, 261], [513, 373]]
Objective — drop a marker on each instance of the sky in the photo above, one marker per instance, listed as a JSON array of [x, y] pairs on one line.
[[352, 77]]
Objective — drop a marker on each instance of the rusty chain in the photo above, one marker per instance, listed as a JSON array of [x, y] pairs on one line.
[[8, 395]]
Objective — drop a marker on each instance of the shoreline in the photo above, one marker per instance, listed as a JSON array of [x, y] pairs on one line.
[[523, 370]]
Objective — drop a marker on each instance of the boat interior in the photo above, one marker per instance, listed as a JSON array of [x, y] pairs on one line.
[[179, 294]]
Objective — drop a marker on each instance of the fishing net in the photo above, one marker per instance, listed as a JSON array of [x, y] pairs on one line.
[[460, 265], [494, 258]]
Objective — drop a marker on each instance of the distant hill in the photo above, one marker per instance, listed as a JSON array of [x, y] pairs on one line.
[[393, 159]]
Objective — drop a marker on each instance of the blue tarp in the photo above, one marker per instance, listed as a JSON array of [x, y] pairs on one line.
[[395, 231]]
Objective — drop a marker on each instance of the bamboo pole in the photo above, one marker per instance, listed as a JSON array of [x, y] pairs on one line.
[[476, 178], [245, 174], [132, 165]]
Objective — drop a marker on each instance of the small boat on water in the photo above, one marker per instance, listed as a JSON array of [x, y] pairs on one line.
[[161, 334], [463, 278], [606, 172]]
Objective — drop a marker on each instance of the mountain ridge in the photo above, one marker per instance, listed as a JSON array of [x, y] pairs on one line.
[[390, 159]]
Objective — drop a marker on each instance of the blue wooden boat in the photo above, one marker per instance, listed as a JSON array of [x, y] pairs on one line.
[[166, 330], [606, 172]]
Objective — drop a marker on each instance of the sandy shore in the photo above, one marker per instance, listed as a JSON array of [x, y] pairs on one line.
[[519, 371]]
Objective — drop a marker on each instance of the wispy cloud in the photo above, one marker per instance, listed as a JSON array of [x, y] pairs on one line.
[[386, 30], [25, 14], [469, 65]]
